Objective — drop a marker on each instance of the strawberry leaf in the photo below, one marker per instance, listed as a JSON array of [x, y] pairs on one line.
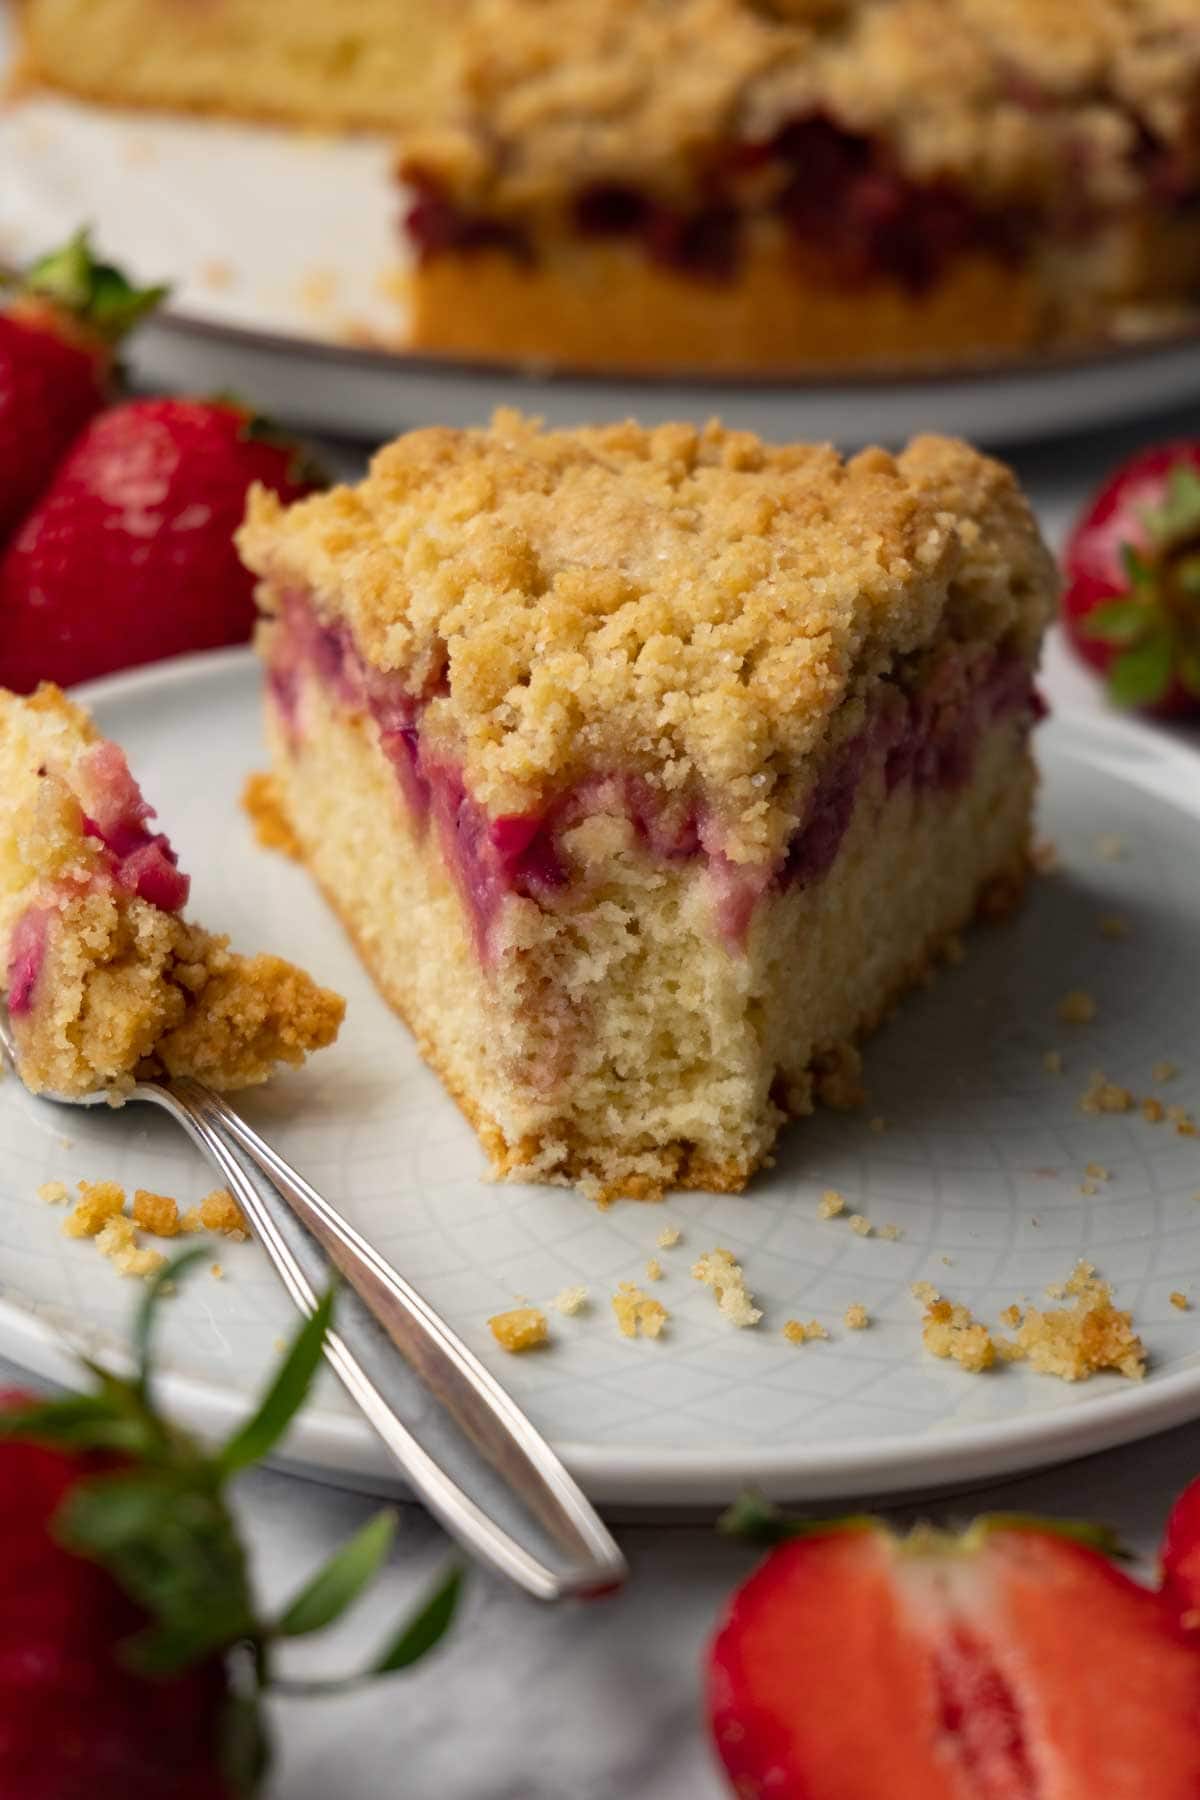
[[146, 1317], [1140, 676], [1178, 516], [341, 1581], [1139, 571], [81, 1422], [1188, 671], [1188, 575], [424, 1630], [283, 1398], [758, 1521], [245, 1747], [96, 293], [167, 1537], [1118, 622], [1077, 1531]]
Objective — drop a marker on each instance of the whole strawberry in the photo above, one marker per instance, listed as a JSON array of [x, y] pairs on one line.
[[75, 1720], [58, 333], [1011, 1661], [133, 1658], [128, 556], [1131, 606]]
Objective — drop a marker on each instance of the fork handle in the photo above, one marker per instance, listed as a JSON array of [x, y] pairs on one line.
[[462, 1443]]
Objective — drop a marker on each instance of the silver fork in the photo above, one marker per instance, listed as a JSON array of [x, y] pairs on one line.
[[473, 1457]]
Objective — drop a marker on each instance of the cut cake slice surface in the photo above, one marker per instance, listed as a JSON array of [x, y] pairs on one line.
[[646, 768], [105, 980]]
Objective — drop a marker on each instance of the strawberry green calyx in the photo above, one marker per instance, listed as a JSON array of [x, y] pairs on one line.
[[95, 294], [1155, 625], [756, 1521], [150, 1507]]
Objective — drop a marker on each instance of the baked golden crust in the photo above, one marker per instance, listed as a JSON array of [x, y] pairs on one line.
[[691, 604], [1021, 100], [606, 306]]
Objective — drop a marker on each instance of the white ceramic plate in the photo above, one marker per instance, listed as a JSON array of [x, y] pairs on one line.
[[279, 245], [980, 1165]]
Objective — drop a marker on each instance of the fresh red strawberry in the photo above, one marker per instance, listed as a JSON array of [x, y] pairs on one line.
[[75, 1722], [132, 1655], [129, 556], [1180, 1559], [1012, 1662], [58, 333], [1131, 605]]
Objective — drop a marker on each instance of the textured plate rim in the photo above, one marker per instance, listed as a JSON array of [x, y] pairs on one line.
[[336, 1445]]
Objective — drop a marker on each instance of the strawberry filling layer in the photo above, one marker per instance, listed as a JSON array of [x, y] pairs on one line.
[[928, 738], [115, 814], [26, 954], [839, 196]]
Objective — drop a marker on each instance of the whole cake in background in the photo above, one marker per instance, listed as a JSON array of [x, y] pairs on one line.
[[713, 184], [734, 185], [646, 768]]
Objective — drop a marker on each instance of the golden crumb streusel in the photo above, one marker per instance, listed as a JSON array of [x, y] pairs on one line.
[[1077, 1007], [219, 1212], [1017, 99], [637, 1315], [949, 1330], [98, 1202], [719, 1270], [522, 1328], [713, 611], [1088, 1335], [156, 1213], [797, 1332], [1104, 1096]]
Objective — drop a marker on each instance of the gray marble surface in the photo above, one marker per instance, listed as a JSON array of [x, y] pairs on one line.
[[603, 1701]]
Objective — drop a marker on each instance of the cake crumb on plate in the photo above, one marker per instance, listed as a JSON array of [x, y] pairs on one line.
[[856, 1317], [522, 1328], [1052, 1062], [636, 1313], [668, 1237], [719, 1270], [860, 1225], [1179, 1301], [570, 1300], [1077, 1007], [831, 1204], [98, 1202], [1164, 1071], [950, 1330], [156, 1213], [1104, 1096], [653, 1269], [54, 1193], [797, 1332]]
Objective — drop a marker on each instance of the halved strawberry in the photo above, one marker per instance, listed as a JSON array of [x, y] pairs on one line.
[[1014, 1662], [1131, 606]]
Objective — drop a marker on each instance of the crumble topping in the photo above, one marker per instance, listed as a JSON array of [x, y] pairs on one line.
[[1088, 1335], [1077, 1007], [637, 1315], [1104, 1096], [719, 1270], [713, 611], [1022, 100], [950, 1331], [99, 1214], [797, 1332], [263, 806], [524, 1328]]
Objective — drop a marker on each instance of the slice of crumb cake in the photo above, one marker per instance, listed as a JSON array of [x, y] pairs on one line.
[[646, 768], [104, 977]]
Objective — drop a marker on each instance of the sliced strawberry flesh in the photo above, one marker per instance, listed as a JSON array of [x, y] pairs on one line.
[[26, 954], [1014, 1666], [116, 815]]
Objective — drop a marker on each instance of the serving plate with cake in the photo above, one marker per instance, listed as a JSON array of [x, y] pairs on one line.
[[853, 221], [623, 780]]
